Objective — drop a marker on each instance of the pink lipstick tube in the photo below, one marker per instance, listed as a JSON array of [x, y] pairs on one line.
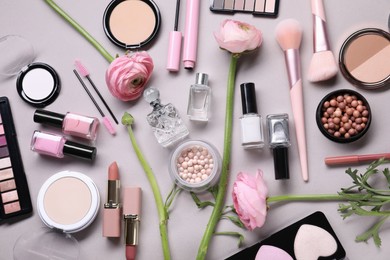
[[131, 217], [191, 34], [112, 211]]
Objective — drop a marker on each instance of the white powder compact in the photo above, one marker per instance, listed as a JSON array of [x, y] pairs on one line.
[[67, 202]]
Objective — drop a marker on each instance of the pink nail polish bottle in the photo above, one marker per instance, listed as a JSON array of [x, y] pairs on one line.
[[71, 124], [58, 146]]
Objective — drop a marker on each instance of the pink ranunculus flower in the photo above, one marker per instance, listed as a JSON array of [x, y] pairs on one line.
[[238, 37], [127, 75], [250, 199]]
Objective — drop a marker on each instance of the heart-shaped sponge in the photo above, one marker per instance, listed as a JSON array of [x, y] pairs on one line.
[[267, 252], [311, 242]]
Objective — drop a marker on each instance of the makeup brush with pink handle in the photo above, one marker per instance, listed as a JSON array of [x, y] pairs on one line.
[[289, 36], [323, 64]]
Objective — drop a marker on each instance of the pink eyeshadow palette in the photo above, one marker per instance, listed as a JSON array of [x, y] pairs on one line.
[[310, 238], [256, 7], [14, 194]]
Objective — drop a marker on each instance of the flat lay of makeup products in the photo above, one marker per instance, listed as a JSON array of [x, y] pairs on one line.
[[192, 129]]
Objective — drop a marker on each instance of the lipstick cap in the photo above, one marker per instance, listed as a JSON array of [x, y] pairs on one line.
[[248, 98], [49, 118], [281, 163], [79, 150], [132, 201]]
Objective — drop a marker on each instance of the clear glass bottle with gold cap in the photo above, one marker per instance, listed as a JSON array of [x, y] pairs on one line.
[[199, 99]]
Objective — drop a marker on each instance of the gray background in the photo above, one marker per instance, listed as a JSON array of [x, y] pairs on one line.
[[58, 44]]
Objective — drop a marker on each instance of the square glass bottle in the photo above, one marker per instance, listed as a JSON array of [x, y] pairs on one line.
[[199, 99]]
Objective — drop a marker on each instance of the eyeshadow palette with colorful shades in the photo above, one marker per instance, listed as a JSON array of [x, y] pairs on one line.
[[256, 7], [308, 239], [14, 194]]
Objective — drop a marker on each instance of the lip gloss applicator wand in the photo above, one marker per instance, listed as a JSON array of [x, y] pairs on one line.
[[132, 217], [289, 36]]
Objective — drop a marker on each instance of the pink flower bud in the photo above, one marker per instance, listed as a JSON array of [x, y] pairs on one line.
[[238, 37], [127, 75], [250, 199]]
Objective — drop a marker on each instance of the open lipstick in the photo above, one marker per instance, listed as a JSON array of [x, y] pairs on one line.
[[112, 212], [131, 217]]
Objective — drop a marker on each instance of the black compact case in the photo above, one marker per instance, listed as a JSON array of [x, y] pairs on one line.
[[284, 239]]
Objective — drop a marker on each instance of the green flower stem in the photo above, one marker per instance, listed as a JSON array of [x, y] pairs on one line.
[[219, 201], [81, 30], [322, 197], [127, 120], [312, 197]]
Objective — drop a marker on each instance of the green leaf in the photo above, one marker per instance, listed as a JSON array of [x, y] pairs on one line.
[[372, 232], [235, 234], [386, 173], [199, 203], [235, 220]]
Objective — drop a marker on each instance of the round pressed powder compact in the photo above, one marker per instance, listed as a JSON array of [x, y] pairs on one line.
[[67, 202], [364, 58], [37, 83], [131, 24]]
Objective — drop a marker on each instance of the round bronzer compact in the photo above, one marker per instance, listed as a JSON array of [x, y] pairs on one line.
[[364, 58], [37, 83], [131, 24]]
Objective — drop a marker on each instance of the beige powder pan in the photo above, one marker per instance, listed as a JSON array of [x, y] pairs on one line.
[[131, 24], [365, 58]]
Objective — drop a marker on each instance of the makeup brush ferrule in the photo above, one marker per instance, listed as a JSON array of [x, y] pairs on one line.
[[320, 39], [293, 65]]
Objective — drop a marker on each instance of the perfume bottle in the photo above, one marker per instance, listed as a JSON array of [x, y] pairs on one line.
[[279, 141], [165, 120], [199, 99], [252, 136]]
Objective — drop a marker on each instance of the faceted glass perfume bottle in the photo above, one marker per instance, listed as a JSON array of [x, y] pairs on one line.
[[199, 99], [165, 120]]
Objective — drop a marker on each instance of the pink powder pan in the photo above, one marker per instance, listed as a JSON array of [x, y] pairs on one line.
[[131, 24]]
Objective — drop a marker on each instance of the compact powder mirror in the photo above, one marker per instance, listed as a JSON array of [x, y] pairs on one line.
[[131, 24], [364, 58], [38, 84]]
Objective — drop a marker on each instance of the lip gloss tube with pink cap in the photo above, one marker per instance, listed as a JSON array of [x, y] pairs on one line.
[[191, 34]]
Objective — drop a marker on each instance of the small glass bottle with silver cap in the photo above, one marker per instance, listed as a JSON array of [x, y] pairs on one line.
[[279, 141], [167, 125], [199, 99], [252, 136]]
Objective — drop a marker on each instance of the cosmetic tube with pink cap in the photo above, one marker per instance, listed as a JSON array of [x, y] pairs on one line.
[[131, 216]]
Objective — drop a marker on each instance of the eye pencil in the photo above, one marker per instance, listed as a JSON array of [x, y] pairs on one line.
[[355, 159], [132, 218]]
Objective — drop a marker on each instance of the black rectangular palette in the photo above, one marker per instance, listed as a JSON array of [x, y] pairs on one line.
[[285, 239], [256, 7], [14, 194]]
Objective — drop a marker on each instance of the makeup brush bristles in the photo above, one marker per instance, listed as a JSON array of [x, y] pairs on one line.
[[288, 33], [322, 67]]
